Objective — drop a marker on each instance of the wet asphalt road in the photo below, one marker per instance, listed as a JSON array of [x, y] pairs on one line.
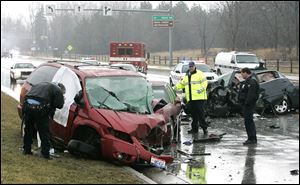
[[270, 161], [230, 162]]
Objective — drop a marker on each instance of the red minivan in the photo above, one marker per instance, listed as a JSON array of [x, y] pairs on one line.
[[108, 113]]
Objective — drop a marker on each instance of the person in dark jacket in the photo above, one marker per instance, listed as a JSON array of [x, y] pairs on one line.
[[39, 105], [248, 95]]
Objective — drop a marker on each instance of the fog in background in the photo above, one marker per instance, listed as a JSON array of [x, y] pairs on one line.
[[232, 25]]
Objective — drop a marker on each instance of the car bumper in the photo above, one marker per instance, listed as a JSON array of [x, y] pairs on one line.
[[19, 77], [128, 153]]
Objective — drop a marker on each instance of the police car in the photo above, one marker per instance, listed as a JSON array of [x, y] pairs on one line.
[[21, 70], [180, 70]]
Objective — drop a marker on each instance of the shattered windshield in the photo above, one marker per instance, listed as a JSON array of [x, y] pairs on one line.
[[247, 59], [122, 93]]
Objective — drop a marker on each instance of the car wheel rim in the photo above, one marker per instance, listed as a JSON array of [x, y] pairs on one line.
[[281, 108]]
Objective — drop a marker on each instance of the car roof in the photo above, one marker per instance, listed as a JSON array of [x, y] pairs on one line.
[[89, 70], [119, 64], [22, 62], [186, 62]]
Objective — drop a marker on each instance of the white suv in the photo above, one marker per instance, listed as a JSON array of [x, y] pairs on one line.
[[180, 70]]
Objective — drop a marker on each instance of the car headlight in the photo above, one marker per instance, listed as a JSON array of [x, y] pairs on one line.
[[17, 73], [120, 135]]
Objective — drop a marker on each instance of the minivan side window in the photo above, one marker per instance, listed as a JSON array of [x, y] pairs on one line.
[[42, 74]]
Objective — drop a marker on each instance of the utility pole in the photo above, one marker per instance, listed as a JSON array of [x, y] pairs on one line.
[[170, 38]]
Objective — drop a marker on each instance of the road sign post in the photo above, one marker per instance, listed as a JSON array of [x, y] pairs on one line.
[[107, 11], [50, 10], [78, 9]]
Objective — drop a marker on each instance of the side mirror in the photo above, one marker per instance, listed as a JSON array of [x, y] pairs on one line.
[[79, 98], [213, 70], [232, 61], [177, 71], [11, 67]]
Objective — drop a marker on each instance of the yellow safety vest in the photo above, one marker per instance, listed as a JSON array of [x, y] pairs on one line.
[[198, 86], [197, 175]]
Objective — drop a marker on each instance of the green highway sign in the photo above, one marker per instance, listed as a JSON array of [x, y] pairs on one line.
[[162, 18], [162, 21]]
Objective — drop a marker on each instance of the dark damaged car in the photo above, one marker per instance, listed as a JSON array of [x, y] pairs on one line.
[[277, 94], [108, 113]]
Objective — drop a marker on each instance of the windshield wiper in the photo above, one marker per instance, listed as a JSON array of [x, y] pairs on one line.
[[110, 93], [102, 103]]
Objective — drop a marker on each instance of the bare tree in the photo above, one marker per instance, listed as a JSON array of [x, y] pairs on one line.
[[231, 23]]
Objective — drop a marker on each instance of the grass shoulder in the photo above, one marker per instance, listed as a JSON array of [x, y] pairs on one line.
[[17, 168]]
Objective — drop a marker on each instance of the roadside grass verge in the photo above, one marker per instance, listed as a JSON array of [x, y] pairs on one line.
[[17, 168]]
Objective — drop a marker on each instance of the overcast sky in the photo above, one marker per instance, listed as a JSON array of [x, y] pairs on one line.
[[17, 9]]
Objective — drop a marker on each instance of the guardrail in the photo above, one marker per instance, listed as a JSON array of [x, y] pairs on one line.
[[291, 66]]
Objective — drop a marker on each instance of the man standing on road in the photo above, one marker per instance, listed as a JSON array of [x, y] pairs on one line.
[[195, 84], [248, 96], [40, 104]]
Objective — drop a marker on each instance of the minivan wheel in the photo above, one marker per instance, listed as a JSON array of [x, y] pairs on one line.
[[282, 107], [86, 143]]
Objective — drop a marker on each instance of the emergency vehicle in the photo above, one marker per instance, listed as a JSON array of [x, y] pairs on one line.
[[129, 52]]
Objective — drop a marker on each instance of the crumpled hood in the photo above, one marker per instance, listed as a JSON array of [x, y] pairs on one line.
[[138, 125]]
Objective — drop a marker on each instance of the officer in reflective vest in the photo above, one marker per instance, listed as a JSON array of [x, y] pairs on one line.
[[195, 84]]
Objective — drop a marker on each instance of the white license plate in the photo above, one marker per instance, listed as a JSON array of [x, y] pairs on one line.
[[158, 162]]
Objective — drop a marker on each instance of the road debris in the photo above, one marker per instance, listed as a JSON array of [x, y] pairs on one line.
[[192, 154], [274, 126], [211, 137], [189, 142]]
